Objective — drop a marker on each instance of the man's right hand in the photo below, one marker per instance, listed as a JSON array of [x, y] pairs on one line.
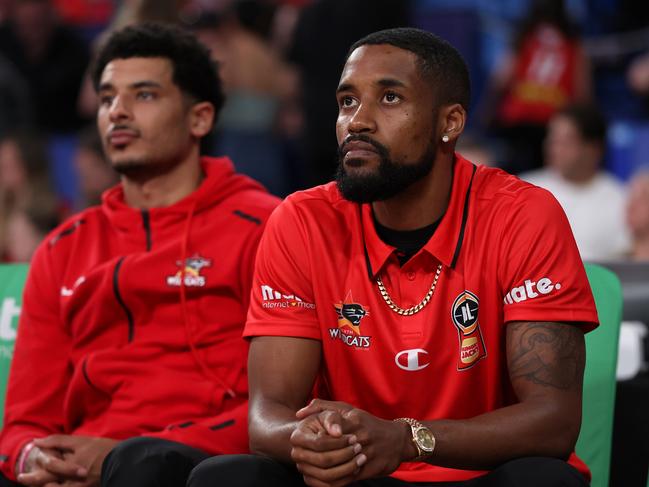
[[325, 458], [46, 466]]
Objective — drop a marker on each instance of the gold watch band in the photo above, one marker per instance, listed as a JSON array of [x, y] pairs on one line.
[[422, 437]]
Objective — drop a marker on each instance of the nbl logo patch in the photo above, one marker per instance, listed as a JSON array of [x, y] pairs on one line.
[[465, 317]]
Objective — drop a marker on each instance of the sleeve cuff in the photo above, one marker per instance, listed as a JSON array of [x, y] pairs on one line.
[[586, 318], [273, 328]]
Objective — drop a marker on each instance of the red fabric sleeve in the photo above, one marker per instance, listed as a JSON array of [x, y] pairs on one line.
[[541, 274], [282, 301], [39, 369], [247, 265], [223, 434]]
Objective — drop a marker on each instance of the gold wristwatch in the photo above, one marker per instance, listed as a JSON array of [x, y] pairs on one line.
[[422, 437]]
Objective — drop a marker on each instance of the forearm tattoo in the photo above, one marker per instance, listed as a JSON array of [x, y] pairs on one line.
[[550, 354]]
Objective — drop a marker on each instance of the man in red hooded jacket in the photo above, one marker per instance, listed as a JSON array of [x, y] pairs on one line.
[[133, 310]]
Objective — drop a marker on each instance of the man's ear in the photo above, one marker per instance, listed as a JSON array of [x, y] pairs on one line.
[[201, 119], [452, 119]]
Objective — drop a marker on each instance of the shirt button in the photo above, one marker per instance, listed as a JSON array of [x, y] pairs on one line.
[[410, 275]]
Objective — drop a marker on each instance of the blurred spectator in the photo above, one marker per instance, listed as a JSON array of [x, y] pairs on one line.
[[23, 174], [85, 13], [15, 104], [4, 10], [94, 172], [323, 34], [637, 215], [130, 12], [50, 58], [28, 224], [256, 82], [638, 77], [546, 70], [593, 200], [133, 12], [476, 149]]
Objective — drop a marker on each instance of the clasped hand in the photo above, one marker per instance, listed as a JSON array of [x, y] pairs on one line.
[[65, 460], [335, 444]]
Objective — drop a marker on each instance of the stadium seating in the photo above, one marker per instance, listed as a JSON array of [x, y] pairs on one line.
[[12, 279], [595, 440]]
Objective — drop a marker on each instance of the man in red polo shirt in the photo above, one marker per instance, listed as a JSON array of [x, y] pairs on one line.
[[129, 340], [435, 309]]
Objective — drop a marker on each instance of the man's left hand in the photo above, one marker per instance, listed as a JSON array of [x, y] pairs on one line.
[[87, 451]]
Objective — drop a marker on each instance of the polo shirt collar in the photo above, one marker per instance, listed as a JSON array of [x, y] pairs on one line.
[[446, 242]]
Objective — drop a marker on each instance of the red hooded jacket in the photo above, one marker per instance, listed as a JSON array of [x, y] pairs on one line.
[[111, 344]]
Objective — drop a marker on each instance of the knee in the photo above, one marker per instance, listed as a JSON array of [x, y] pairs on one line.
[[138, 458], [538, 471], [235, 471], [132, 452]]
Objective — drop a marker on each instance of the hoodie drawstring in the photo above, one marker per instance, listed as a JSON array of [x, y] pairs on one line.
[[183, 306]]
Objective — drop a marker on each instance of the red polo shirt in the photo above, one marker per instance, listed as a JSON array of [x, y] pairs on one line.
[[506, 253]]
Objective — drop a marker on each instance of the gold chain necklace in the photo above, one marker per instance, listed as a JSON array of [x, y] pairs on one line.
[[413, 309]]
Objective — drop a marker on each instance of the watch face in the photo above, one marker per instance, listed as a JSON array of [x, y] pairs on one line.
[[425, 439]]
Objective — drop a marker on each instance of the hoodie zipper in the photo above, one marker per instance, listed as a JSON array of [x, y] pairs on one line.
[[146, 223], [118, 296]]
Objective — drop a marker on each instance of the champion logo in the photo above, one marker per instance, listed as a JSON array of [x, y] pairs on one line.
[[530, 290], [411, 360]]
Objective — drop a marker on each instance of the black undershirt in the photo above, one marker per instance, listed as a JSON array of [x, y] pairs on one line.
[[407, 242]]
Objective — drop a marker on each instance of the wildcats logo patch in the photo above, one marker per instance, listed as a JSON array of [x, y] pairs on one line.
[[349, 316], [465, 318], [193, 267]]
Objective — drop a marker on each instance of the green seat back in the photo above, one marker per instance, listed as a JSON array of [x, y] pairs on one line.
[[12, 280], [595, 440]]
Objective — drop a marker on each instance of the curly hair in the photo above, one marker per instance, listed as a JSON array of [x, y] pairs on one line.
[[195, 73]]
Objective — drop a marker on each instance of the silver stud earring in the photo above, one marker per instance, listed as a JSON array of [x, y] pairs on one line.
[[445, 138]]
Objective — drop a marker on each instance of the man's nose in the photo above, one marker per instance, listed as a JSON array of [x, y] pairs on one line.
[[119, 109], [362, 120]]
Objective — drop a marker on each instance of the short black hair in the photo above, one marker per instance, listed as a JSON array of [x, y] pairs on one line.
[[588, 119], [439, 61], [195, 73]]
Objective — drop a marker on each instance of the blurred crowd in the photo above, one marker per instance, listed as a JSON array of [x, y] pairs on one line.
[[561, 98]]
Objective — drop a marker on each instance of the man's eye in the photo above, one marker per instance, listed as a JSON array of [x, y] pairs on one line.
[[347, 101], [145, 95], [391, 97], [105, 100]]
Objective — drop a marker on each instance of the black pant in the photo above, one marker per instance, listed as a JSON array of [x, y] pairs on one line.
[[4, 482], [149, 462], [254, 471]]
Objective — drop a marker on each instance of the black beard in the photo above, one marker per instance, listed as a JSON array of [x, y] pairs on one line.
[[129, 167], [142, 170], [390, 179]]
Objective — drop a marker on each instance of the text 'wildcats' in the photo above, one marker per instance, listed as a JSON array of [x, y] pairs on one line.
[[348, 331]]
